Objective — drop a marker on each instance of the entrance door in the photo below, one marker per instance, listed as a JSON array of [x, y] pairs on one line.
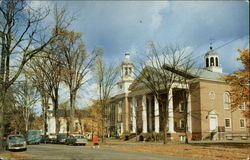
[[213, 122]]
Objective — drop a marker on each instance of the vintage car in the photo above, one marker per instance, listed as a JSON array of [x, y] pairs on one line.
[[76, 139], [16, 142], [33, 136], [61, 138]]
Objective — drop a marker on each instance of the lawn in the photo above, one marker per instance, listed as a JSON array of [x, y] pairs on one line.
[[206, 151]]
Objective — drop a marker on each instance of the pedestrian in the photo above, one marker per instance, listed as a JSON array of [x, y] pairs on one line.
[[95, 141]]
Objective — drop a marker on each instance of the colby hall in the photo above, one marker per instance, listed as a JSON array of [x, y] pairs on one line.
[[134, 109]]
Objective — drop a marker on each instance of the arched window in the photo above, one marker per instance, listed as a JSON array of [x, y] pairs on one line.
[[216, 61], [226, 100], [207, 62], [212, 61], [126, 71]]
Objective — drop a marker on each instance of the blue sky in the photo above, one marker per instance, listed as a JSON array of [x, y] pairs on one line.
[[128, 26], [124, 26]]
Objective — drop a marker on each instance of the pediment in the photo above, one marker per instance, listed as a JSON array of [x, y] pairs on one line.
[[212, 112]]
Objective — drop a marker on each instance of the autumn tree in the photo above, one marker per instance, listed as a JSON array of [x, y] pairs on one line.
[[239, 84], [22, 36], [95, 115]]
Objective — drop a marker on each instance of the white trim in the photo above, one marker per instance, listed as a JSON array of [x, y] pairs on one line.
[[229, 122], [244, 122], [181, 123], [226, 104]]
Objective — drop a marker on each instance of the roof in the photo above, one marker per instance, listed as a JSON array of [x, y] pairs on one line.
[[211, 52], [207, 74]]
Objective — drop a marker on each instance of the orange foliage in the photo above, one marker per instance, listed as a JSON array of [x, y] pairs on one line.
[[239, 83]]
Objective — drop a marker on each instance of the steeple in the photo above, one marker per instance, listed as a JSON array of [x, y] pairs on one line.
[[127, 69], [212, 61]]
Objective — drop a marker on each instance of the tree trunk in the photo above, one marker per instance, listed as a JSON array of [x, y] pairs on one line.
[[72, 111], [55, 103], [2, 105]]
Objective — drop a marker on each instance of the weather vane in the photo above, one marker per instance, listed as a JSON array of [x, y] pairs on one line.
[[211, 42]]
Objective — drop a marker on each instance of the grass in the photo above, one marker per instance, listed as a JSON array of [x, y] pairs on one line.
[[209, 152]]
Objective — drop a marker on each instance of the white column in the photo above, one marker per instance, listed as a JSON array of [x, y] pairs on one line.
[[134, 105], [144, 114], [170, 113], [150, 114], [189, 116], [157, 116], [122, 130]]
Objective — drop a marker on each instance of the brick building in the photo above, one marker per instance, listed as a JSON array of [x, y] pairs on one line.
[[135, 109]]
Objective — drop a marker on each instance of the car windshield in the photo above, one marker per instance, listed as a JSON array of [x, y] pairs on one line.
[[79, 137], [16, 137]]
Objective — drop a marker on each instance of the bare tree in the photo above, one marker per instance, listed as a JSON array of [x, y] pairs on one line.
[[26, 97], [187, 78], [22, 36], [38, 79], [76, 64], [106, 76], [153, 74]]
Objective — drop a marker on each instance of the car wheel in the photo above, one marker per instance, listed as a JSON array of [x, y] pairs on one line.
[[25, 149], [83, 144]]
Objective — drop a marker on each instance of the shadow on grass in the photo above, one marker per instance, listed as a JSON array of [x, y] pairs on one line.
[[226, 145]]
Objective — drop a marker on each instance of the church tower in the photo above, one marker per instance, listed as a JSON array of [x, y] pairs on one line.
[[127, 71], [212, 61]]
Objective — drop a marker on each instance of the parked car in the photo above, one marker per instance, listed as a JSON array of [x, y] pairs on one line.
[[33, 136], [61, 138], [16, 142], [76, 139]]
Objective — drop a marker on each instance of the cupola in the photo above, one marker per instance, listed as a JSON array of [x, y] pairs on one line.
[[212, 61]]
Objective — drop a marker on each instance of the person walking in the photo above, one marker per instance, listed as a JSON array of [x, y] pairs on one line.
[[95, 141]]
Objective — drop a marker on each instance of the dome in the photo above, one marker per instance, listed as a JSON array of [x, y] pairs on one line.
[[127, 59], [211, 52]]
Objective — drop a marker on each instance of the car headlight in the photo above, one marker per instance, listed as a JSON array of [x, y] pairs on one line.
[[24, 143]]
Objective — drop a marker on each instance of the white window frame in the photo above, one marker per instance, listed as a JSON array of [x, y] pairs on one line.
[[180, 106], [229, 122], [243, 121], [182, 120], [226, 105]]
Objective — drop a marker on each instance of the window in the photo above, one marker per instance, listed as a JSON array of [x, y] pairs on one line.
[[126, 71], [226, 100], [216, 61], [182, 123], [242, 106], [212, 95], [207, 62], [181, 106], [212, 61], [228, 123], [242, 123]]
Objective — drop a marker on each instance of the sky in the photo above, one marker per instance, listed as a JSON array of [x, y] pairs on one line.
[[128, 26]]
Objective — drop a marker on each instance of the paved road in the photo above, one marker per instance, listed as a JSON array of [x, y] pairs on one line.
[[64, 152]]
